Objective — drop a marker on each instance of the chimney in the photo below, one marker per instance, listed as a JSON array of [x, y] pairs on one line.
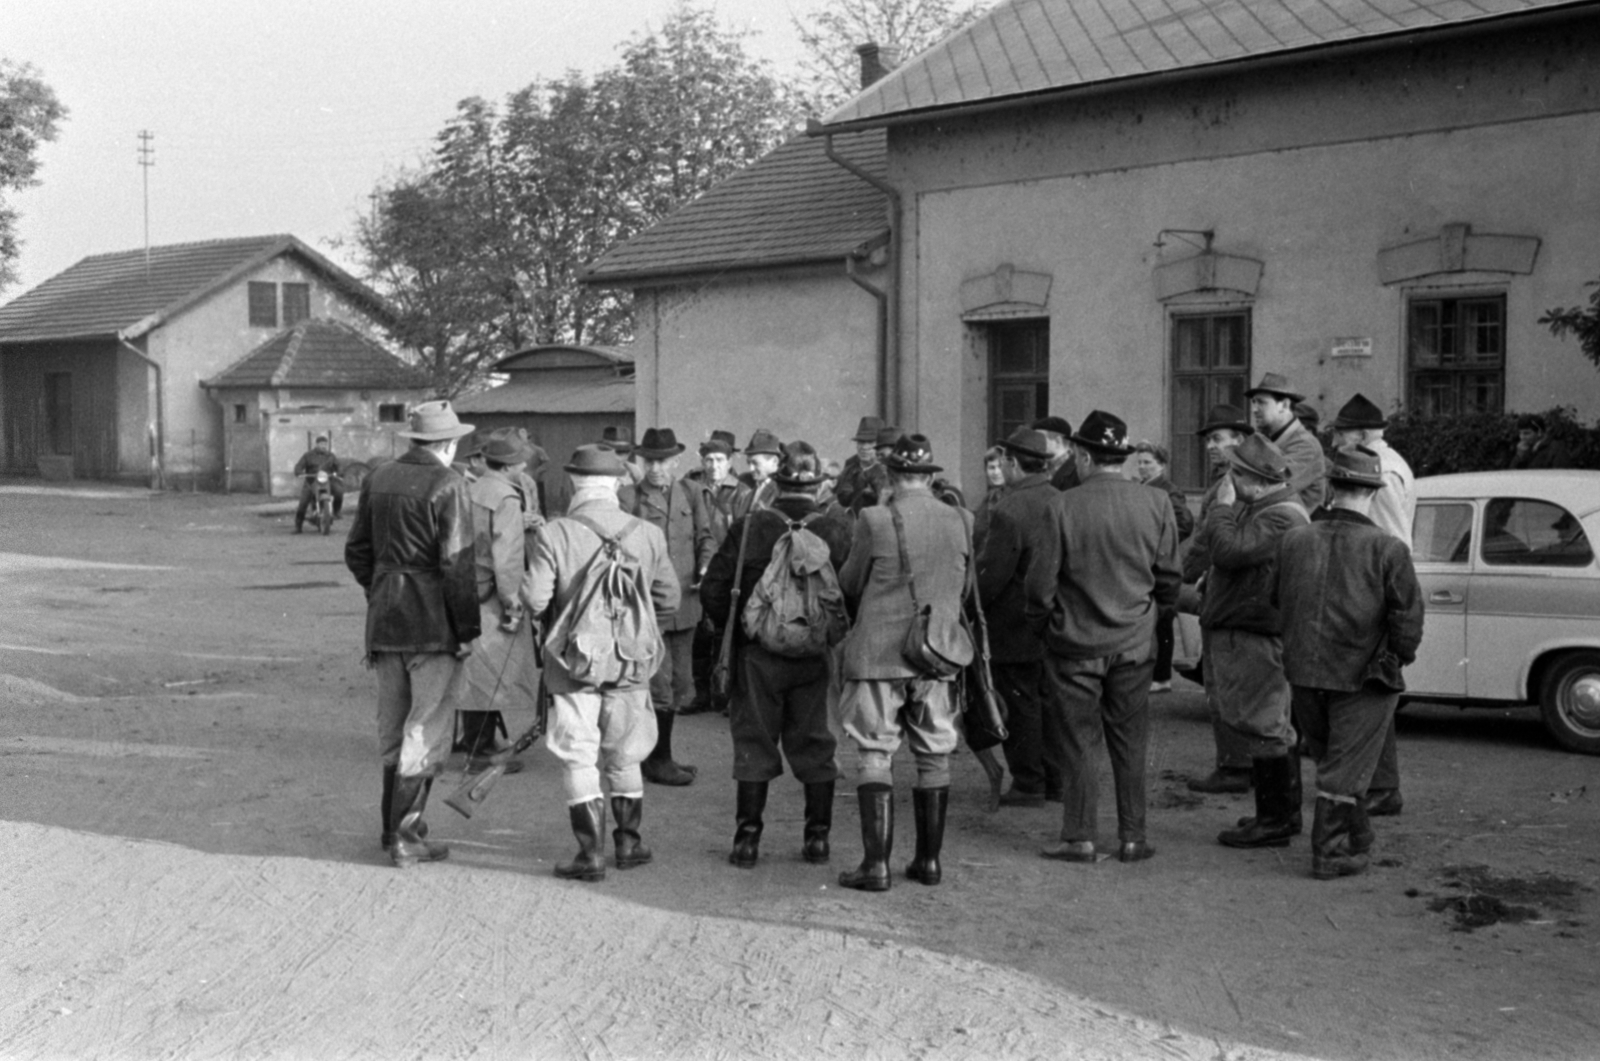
[[877, 60]]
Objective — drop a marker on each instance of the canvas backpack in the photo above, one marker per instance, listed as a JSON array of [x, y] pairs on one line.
[[797, 608], [607, 634]]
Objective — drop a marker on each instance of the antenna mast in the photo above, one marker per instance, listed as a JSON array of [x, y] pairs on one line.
[[147, 158]]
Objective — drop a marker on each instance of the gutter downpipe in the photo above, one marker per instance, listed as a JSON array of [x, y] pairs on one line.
[[158, 470], [882, 333], [889, 361]]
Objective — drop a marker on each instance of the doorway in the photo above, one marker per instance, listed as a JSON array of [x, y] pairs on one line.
[[1019, 374]]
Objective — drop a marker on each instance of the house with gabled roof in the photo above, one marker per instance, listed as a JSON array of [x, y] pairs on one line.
[[317, 377], [101, 366]]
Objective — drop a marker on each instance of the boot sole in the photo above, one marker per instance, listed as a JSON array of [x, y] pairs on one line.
[[872, 885], [588, 877], [1246, 845]]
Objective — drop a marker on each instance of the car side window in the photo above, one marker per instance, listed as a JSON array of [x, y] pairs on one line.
[[1441, 533], [1521, 532]]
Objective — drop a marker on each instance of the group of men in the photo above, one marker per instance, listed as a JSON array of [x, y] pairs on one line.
[[839, 605]]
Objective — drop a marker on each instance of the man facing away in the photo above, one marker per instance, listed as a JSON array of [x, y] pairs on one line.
[[1272, 405], [411, 550], [1116, 563], [598, 729]]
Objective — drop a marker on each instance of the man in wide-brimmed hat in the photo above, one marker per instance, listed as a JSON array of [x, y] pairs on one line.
[[1254, 509], [1272, 409], [851, 476], [1352, 618], [599, 732], [411, 550], [909, 554], [319, 458], [756, 488], [1113, 563], [678, 510]]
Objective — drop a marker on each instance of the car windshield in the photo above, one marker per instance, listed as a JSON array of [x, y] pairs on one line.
[[1521, 532]]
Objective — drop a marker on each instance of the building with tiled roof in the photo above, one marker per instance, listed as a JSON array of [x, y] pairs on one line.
[[102, 365]]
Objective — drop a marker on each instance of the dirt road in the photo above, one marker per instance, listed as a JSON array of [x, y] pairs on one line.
[[187, 800]]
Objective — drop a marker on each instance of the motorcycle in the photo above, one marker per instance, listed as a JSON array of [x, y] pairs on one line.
[[322, 499]]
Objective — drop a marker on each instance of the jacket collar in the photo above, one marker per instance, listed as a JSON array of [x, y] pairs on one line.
[[1028, 482], [1340, 515]]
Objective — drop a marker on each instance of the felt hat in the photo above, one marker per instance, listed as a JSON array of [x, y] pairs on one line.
[[867, 430], [1229, 417], [1359, 413], [618, 440], [1056, 425], [888, 435], [1027, 442], [1103, 432], [658, 444], [595, 459], [1307, 414], [801, 468], [434, 422], [507, 446], [914, 454], [1276, 385], [1259, 456], [764, 441], [1355, 466], [720, 442], [470, 446]]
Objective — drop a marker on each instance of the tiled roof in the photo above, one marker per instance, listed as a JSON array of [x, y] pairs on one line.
[[577, 396], [1022, 47], [792, 206], [320, 353], [114, 294]]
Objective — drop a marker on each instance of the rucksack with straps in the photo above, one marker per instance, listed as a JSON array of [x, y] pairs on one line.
[[797, 607], [607, 634]]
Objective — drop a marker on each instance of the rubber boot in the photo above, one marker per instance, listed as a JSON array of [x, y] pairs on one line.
[[659, 767], [1297, 796], [627, 810], [928, 806], [819, 821], [749, 801], [410, 844], [1361, 834], [386, 838], [877, 839], [1271, 826], [587, 821], [1331, 851]]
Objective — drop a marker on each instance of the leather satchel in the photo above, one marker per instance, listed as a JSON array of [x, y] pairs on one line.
[[937, 645]]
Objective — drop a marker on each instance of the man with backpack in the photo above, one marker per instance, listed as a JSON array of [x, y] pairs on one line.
[[607, 580], [908, 571], [775, 578]]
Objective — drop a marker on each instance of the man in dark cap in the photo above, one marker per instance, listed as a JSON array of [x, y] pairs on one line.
[[910, 554], [864, 459], [1057, 432], [1272, 403], [319, 458], [1113, 564], [756, 488], [1352, 618], [411, 550], [1244, 654]]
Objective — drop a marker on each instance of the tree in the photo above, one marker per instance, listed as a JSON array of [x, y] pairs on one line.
[[1578, 321], [29, 116], [831, 71], [480, 250]]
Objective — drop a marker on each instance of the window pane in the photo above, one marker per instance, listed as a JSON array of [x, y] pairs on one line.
[[1484, 341], [1188, 413], [296, 303], [1210, 366], [1524, 533], [263, 305], [1457, 354], [1441, 533], [1424, 334], [1231, 349], [1189, 343]]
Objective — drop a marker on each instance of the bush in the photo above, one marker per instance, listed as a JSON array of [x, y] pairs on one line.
[[1439, 445]]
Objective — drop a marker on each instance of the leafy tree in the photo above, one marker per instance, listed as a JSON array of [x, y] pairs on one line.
[[831, 71], [1578, 321], [29, 116]]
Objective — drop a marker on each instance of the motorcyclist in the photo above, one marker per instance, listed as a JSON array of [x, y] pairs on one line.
[[319, 458]]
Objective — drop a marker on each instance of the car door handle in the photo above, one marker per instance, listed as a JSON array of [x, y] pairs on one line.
[[1444, 596]]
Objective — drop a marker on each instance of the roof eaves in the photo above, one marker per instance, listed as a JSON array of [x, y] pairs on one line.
[[658, 276]]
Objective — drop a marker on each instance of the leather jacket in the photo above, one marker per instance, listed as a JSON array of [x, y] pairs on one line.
[[411, 549]]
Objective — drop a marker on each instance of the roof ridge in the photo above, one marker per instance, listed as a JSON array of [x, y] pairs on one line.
[[274, 238], [291, 351]]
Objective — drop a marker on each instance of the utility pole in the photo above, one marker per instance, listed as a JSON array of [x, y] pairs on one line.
[[147, 158]]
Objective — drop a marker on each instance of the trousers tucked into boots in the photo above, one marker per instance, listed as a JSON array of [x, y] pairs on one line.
[[588, 819], [750, 801], [408, 845], [1276, 805], [819, 821], [1340, 839], [928, 806], [877, 839], [627, 810]]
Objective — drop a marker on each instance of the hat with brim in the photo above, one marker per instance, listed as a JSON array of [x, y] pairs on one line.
[[1258, 456], [470, 446], [764, 441], [1360, 414], [1355, 466], [1026, 442], [1056, 425], [801, 468], [913, 454], [1276, 385], [720, 442], [506, 446], [867, 430], [595, 459], [1103, 433], [659, 444], [1226, 417], [888, 437], [618, 440], [435, 422]]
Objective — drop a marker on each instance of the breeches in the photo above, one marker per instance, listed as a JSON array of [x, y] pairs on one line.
[[1251, 692], [418, 693], [601, 730], [781, 702], [878, 714]]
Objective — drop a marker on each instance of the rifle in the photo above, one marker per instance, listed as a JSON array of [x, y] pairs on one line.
[[722, 671], [474, 788]]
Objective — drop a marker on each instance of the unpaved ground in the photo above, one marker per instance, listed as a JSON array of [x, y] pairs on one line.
[[187, 807]]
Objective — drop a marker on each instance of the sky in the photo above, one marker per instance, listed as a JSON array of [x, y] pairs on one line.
[[282, 117]]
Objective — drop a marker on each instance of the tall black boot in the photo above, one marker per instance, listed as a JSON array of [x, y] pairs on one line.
[[410, 844], [1332, 853], [659, 767], [877, 839], [627, 810], [928, 805], [587, 821], [749, 802], [1271, 826], [819, 821], [1361, 834], [1296, 797], [387, 836]]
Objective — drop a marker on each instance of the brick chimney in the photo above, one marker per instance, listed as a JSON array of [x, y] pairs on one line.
[[877, 60]]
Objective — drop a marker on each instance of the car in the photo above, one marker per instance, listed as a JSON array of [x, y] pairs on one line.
[[1511, 585]]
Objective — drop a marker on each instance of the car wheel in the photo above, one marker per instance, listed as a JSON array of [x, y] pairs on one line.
[[1570, 701]]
